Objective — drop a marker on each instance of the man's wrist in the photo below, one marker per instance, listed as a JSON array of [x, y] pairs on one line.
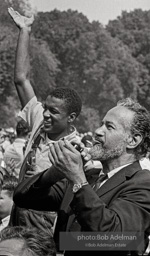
[[25, 29], [77, 186]]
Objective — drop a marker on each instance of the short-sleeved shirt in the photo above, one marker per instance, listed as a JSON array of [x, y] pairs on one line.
[[32, 113]]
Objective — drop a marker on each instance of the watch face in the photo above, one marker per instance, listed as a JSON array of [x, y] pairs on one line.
[[76, 187]]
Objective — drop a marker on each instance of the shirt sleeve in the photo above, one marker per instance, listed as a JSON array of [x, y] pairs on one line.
[[32, 113], [41, 198]]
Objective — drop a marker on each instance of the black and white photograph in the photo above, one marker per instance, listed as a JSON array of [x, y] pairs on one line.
[[75, 127]]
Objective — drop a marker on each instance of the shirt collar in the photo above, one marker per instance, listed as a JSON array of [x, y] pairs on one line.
[[5, 220], [111, 173], [68, 137]]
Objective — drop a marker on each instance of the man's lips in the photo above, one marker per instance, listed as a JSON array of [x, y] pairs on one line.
[[97, 141], [47, 124]]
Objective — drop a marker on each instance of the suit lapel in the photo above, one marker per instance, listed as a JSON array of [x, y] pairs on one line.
[[92, 175], [118, 178]]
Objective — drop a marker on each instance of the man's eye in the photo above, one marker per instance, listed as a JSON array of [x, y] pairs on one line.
[[109, 127], [53, 111]]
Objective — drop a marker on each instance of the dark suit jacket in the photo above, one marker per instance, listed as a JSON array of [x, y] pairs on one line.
[[122, 204]]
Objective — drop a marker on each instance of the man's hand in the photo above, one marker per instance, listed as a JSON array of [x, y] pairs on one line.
[[67, 160], [20, 20]]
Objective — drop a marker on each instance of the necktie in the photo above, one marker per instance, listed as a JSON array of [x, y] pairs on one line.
[[98, 182]]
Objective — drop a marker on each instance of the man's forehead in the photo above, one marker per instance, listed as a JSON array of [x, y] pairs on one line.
[[119, 114], [52, 101]]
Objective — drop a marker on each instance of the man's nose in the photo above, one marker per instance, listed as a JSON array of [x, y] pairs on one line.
[[46, 113], [99, 131]]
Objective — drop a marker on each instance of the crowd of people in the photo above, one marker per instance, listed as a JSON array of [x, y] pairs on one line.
[[54, 179]]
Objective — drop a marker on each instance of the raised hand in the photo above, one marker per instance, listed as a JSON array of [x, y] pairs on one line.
[[20, 20]]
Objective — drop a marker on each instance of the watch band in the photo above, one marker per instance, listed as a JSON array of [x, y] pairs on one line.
[[77, 186]]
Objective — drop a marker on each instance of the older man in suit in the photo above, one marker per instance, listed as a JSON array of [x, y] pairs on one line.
[[119, 203]]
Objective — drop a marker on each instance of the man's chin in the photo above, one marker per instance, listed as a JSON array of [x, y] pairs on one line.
[[96, 152], [47, 129]]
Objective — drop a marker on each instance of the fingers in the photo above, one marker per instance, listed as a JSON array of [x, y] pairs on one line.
[[52, 154], [17, 13], [85, 156], [10, 11], [62, 153], [13, 13], [69, 146], [59, 150], [55, 152]]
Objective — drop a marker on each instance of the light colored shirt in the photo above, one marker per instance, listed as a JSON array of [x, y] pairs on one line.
[[112, 173], [145, 163], [32, 113]]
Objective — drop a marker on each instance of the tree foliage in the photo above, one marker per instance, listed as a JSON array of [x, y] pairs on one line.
[[133, 29], [43, 64], [103, 64]]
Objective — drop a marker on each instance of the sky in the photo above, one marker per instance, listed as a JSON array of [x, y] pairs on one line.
[[98, 10]]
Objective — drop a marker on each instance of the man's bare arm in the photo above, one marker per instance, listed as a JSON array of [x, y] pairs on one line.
[[22, 64]]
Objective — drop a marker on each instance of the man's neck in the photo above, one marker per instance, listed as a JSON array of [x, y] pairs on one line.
[[112, 164], [65, 133]]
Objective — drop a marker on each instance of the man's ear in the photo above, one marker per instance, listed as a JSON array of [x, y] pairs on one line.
[[72, 117], [134, 141]]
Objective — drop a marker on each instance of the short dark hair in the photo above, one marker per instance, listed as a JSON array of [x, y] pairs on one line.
[[36, 242], [140, 124], [71, 97], [9, 183]]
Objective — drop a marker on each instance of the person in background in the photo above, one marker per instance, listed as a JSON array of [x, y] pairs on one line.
[[6, 199], [16, 241], [15, 151], [4, 143], [49, 123]]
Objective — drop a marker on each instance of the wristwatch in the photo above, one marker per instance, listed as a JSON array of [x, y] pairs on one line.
[[77, 186]]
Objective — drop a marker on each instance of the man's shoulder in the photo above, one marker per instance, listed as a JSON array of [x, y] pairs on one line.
[[135, 173], [32, 113], [143, 177]]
